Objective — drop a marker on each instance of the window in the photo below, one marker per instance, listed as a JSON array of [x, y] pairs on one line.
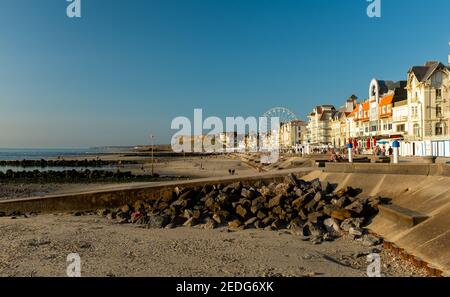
[[389, 108], [438, 110], [439, 129], [389, 126], [401, 128], [414, 112], [438, 94], [416, 129], [384, 109]]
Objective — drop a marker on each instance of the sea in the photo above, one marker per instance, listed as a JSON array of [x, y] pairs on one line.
[[40, 153]]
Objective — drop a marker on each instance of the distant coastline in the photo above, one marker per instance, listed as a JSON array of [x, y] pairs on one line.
[[7, 154]]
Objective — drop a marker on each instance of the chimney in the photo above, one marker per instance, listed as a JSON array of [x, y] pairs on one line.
[[430, 63]]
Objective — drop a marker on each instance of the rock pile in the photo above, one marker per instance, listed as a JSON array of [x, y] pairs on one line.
[[66, 163], [309, 209], [73, 176]]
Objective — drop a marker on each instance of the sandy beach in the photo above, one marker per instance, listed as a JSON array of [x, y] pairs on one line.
[[38, 246]]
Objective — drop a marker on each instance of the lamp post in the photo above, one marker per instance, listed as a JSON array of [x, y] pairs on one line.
[[152, 137]]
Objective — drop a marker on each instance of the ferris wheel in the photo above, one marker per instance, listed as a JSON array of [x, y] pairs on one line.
[[283, 114]]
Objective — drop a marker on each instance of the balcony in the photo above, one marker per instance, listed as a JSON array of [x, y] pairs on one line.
[[400, 119]]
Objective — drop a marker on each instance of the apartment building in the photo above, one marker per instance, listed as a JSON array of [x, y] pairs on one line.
[[428, 91], [292, 134], [319, 132]]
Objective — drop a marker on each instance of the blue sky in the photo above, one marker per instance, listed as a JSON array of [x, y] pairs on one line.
[[127, 68]]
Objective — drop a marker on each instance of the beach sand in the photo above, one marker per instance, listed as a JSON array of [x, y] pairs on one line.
[[38, 246]]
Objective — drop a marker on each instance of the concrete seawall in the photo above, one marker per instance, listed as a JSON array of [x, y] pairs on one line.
[[418, 222], [405, 169]]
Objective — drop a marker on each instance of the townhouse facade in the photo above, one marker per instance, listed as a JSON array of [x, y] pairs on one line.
[[292, 134], [415, 112], [319, 131]]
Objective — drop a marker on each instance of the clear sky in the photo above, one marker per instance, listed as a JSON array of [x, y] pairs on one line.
[[127, 68]]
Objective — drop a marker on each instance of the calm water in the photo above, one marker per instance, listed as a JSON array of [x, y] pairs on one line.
[[37, 154], [41, 169]]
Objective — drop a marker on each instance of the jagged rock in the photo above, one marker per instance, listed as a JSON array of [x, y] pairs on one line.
[[332, 226], [235, 224], [291, 179], [179, 220], [217, 218], [370, 240], [316, 185], [196, 214], [328, 237], [277, 200], [237, 186], [282, 189], [320, 205], [190, 222], [207, 189], [351, 222], [341, 202], [250, 221], [259, 224], [303, 214], [356, 207], [265, 191], [312, 229], [170, 226], [267, 221], [355, 231], [241, 211], [255, 208], [189, 194], [210, 224], [247, 193], [179, 203], [291, 203], [314, 217], [296, 228], [188, 213], [298, 203], [178, 191], [340, 214], [261, 215], [245, 202], [157, 221], [277, 224], [277, 210], [316, 239]]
